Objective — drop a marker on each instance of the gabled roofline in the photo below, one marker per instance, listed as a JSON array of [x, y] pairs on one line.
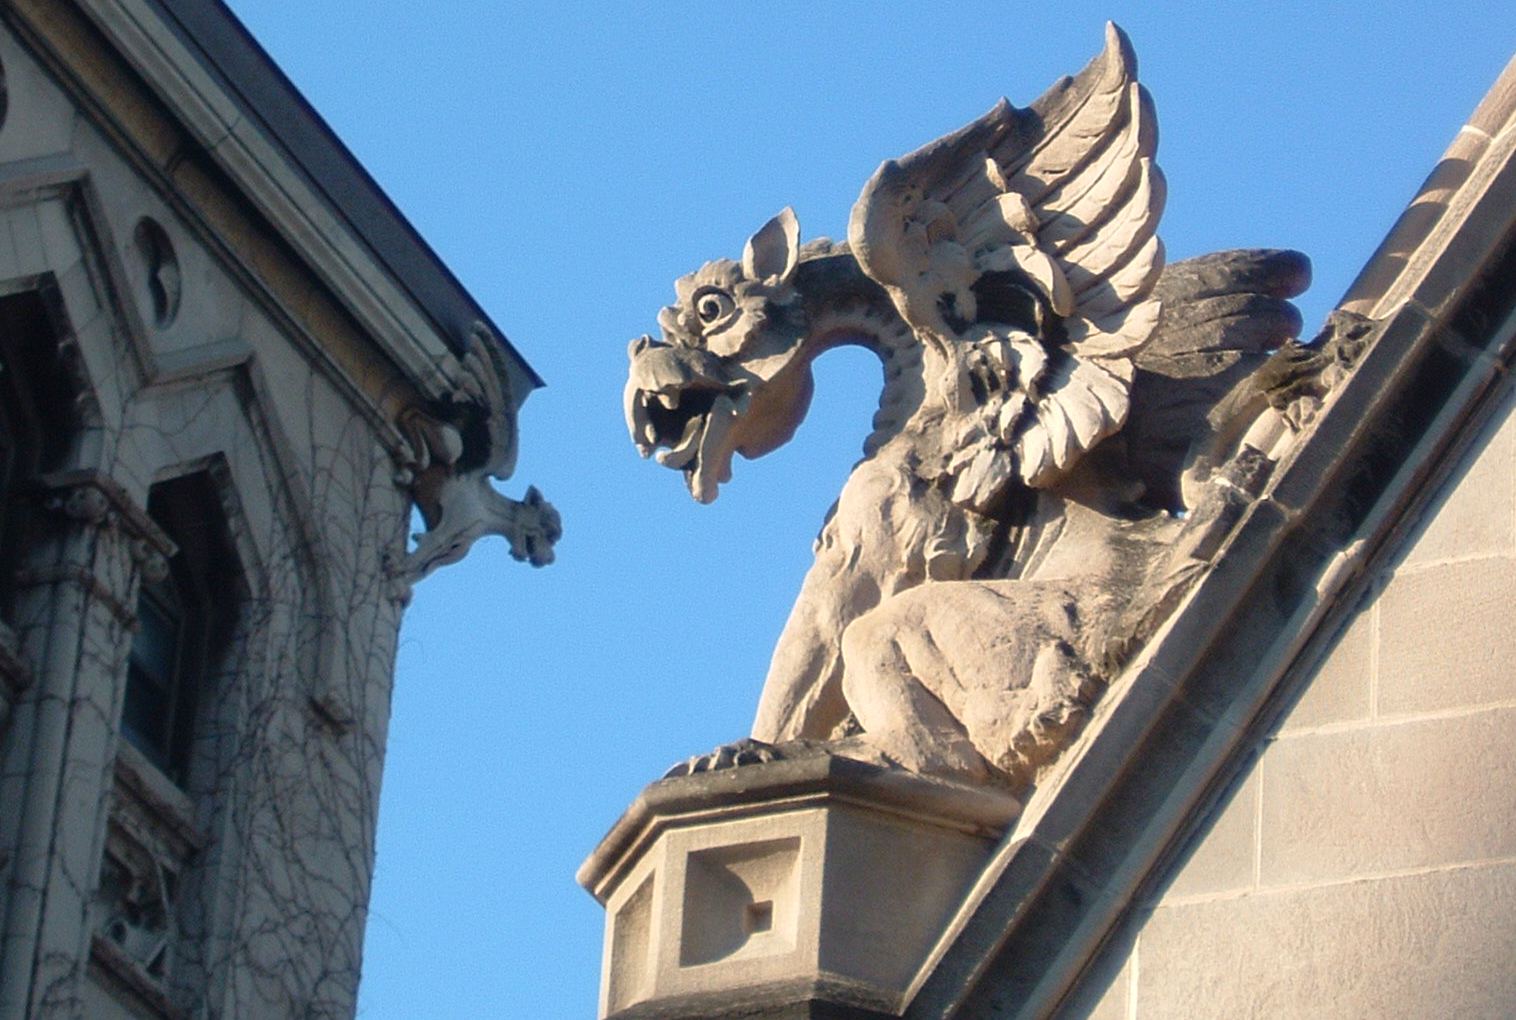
[[261, 131], [1186, 717]]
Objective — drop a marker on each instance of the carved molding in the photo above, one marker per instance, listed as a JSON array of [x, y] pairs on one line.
[[89, 498], [151, 841], [96, 589], [118, 969]]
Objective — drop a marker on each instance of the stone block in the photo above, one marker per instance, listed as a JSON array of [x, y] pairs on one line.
[[1341, 688], [1414, 947], [59, 241], [816, 879], [26, 236], [1368, 801], [1446, 639], [1475, 514], [1223, 856]]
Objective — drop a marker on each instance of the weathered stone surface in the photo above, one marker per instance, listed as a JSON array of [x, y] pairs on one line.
[[1445, 636], [1413, 947], [1225, 856], [1105, 993], [1342, 688], [1113, 1005], [1476, 514], [815, 871], [211, 361], [1386, 798]]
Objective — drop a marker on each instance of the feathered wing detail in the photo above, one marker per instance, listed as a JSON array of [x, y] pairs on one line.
[[1023, 247], [485, 381], [1224, 315]]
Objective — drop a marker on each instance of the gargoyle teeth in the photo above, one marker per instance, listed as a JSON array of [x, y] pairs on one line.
[[644, 436], [669, 400]]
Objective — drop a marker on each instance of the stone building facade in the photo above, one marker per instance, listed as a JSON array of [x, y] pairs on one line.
[[228, 370]]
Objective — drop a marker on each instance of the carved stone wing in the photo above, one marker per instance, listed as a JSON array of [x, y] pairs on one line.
[[486, 385], [1023, 247], [1224, 315]]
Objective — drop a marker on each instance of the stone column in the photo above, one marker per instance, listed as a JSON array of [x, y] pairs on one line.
[[73, 621]]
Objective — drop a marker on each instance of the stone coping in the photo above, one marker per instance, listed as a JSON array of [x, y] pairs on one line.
[[817, 776]]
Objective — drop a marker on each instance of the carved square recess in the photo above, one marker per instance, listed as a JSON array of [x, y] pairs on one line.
[[740, 901]]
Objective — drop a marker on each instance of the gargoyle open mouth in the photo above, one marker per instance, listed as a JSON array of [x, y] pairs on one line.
[[689, 427]]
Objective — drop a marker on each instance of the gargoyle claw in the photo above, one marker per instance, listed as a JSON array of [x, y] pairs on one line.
[[746, 751]]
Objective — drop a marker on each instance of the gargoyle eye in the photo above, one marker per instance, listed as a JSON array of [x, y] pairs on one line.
[[713, 306]]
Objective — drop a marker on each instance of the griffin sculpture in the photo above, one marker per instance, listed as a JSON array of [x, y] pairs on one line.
[[1057, 407]]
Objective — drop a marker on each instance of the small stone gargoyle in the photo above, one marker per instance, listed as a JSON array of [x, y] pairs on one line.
[[1057, 406], [454, 455]]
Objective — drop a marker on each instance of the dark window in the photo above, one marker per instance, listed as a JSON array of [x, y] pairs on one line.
[[38, 422], [185, 621]]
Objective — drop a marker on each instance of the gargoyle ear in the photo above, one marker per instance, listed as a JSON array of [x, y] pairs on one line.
[[774, 250]]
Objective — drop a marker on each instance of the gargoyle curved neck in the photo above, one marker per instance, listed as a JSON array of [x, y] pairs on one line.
[[843, 307]]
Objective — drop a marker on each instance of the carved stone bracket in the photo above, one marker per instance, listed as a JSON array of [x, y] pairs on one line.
[[454, 452], [90, 498]]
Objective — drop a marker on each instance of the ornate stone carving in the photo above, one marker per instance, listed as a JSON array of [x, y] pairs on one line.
[[1062, 415], [150, 843], [92, 499], [454, 454]]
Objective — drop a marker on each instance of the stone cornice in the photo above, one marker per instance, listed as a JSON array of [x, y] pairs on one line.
[[180, 63]]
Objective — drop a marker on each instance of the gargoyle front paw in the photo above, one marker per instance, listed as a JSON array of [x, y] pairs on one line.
[[746, 751]]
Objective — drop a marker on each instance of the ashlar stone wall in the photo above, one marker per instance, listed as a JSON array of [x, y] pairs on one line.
[[1364, 866]]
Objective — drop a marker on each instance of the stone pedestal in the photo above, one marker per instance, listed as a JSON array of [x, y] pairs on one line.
[[796, 888]]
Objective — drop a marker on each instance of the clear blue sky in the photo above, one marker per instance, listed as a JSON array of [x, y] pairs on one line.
[[569, 162]]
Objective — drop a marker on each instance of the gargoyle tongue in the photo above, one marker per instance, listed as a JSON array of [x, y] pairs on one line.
[[713, 460], [685, 450]]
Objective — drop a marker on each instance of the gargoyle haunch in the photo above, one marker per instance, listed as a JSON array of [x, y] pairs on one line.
[[1055, 400]]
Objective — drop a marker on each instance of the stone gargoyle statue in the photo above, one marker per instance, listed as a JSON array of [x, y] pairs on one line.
[[1058, 406]]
